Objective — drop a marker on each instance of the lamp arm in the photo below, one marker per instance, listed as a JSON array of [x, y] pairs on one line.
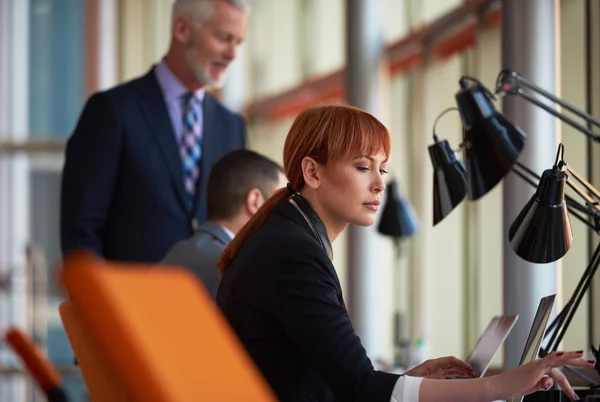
[[512, 83], [526, 83], [589, 133], [560, 324], [588, 186], [565, 317]]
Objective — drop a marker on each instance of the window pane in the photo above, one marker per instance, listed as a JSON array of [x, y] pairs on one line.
[[56, 60], [44, 221]]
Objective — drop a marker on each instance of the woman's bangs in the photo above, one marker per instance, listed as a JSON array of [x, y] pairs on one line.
[[361, 135]]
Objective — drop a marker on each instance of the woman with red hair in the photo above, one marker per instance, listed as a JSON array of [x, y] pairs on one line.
[[281, 294]]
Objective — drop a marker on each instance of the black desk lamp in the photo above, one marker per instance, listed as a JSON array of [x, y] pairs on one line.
[[492, 144], [449, 182], [397, 219], [541, 233]]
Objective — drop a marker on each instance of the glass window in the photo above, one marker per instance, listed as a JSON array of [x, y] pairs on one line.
[[56, 66], [44, 220], [56, 93]]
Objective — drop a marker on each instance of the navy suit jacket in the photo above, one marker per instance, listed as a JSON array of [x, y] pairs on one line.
[[122, 192]]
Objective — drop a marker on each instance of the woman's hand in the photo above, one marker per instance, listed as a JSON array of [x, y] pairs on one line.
[[444, 367], [538, 375]]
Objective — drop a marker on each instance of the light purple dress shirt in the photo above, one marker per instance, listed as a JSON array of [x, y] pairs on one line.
[[173, 92]]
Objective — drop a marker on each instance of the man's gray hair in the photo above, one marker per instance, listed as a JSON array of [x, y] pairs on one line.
[[201, 11]]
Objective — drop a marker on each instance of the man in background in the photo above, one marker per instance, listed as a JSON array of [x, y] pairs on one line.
[[137, 165], [238, 185]]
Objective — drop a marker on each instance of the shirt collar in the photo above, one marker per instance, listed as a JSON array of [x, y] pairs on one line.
[[229, 232], [170, 85]]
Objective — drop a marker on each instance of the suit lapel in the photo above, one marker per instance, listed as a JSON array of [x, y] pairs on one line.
[[155, 111]]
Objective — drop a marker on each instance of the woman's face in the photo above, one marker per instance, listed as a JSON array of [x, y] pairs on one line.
[[351, 190]]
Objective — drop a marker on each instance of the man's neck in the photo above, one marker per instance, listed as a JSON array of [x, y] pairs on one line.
[[180, 73]]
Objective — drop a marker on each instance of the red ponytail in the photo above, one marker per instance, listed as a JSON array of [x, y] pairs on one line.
[[254, 223]]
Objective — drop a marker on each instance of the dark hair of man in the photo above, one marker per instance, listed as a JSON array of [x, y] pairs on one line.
[[233, 176]]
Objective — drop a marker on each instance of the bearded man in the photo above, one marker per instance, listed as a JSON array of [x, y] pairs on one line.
[[137, 165]]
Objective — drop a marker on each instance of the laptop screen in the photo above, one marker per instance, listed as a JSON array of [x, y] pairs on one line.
[[536, 334], [490, 342]]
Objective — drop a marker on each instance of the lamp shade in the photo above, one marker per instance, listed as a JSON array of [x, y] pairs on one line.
[[398, 218], [449, 184], [541, 233], [492, 144]]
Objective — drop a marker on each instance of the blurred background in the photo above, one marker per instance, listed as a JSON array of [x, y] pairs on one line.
[[446, 282]]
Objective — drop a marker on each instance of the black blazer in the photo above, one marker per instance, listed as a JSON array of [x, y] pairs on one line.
[[283, 298], [122, 186]]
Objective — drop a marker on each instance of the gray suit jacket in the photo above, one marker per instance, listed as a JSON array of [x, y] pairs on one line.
[[200, 254]]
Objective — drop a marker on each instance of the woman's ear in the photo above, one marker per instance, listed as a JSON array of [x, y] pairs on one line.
[[311, 171]]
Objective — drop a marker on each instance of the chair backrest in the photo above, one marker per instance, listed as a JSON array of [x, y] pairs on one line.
[[161, 332], [39, 367], [101, 383]]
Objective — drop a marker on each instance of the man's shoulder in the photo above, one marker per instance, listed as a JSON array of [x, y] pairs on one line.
[[128, 89], [207, 244], [202, 243], [200, 255]]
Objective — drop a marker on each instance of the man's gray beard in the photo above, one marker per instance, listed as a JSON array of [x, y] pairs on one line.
[[200, 73]]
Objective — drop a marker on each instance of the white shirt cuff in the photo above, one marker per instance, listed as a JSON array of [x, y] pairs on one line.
[[406, 389]]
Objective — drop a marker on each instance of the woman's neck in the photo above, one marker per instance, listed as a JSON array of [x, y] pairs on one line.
[[334, 229]]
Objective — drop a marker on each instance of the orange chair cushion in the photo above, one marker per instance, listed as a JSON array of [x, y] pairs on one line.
[[102, 384], [164, 336]]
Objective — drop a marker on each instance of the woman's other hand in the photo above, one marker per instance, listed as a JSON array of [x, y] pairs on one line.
[[443, 367], [539, 375]]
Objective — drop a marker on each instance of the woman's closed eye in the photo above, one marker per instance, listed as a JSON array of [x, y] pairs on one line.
[[366, 169]]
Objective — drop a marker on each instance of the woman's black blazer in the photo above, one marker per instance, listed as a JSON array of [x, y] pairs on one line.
[[283, 298]]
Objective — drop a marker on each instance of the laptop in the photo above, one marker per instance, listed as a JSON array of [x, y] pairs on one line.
[[490, 342], [536, 333]]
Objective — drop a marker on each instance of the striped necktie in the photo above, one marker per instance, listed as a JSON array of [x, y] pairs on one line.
[[190, 144]]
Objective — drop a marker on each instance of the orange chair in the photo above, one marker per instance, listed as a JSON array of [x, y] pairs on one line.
[[162, 335], [42, 371], [101, 384]]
